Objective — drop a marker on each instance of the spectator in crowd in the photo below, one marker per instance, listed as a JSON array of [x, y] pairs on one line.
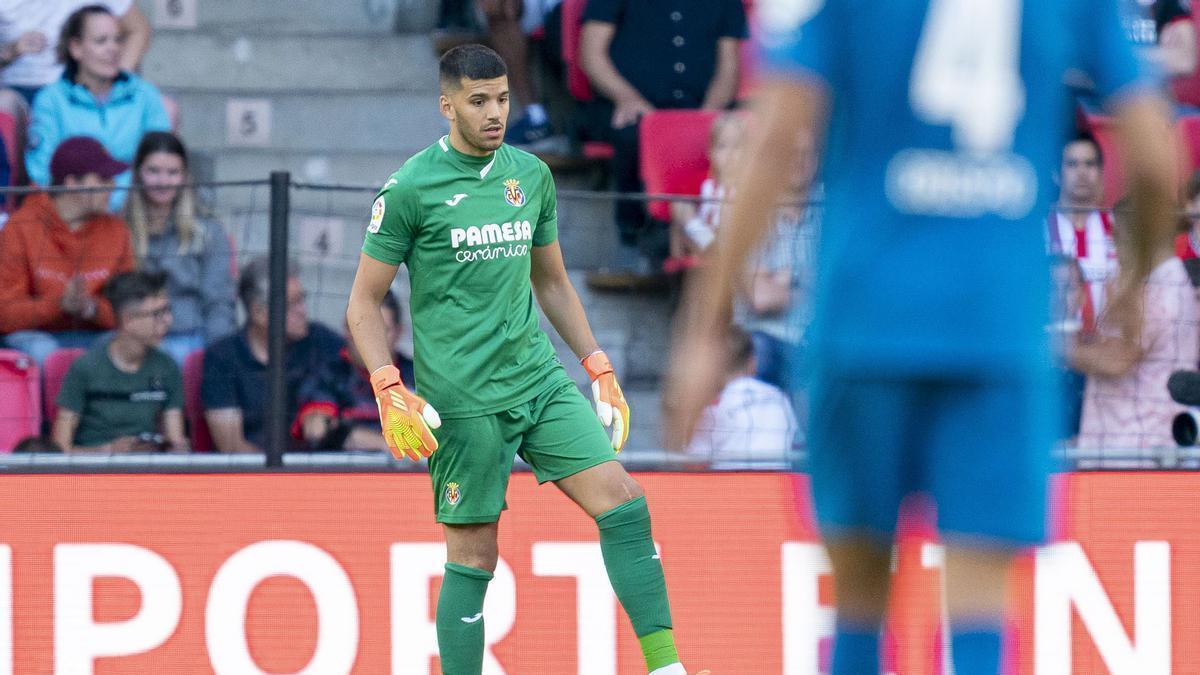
[[56, 253], [1078, 226], [94, 97], [170, 236], [1187, 243], [234, 385], [337, 405], [640, 56], [694, 226], [30, 32], [775, 305], [124, 394], [1080, 229], [751, 425], [1126, 404], [509, 22]]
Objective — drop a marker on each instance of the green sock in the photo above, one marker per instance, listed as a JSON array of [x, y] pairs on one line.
[[636, 575], [460, 619]]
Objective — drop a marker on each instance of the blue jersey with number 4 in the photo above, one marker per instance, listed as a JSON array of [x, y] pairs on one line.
[[947, 121]]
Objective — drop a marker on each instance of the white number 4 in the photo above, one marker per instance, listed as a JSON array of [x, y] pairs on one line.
[[966, 73]]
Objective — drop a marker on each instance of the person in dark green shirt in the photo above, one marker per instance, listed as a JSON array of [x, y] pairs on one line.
[[124, 394], [476, 223]]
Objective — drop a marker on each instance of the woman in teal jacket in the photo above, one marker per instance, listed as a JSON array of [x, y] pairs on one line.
[[94, 98]]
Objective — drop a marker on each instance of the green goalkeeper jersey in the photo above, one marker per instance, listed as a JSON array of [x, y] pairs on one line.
[[465, 226]]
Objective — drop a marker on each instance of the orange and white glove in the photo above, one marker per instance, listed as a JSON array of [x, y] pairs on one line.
[[611, 407], [405, 417]]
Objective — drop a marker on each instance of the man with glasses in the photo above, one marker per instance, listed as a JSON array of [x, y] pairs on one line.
[[125, 394]]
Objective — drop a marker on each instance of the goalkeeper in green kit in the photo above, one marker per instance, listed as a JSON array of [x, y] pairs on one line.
[[476, 223]]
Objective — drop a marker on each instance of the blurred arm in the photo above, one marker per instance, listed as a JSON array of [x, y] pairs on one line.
[[596, 64], [63, 431], [135, 38], [225, 426], [173, 430], [1149, 160], [723, 87]]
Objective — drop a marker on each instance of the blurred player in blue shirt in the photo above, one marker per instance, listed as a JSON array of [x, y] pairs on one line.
[[943, 120]]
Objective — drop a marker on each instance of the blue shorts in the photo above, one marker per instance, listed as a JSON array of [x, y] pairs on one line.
[[980, 448]]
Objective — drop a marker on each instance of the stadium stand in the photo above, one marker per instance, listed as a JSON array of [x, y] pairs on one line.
[[674, 157]]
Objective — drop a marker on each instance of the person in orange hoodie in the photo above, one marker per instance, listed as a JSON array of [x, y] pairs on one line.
[[58, 250]]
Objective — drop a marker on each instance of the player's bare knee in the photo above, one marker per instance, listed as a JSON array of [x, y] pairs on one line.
[[472, 546], [632, 489]]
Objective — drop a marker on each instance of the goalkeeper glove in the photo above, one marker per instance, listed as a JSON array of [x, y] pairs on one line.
[[611, 407], [405, 417]]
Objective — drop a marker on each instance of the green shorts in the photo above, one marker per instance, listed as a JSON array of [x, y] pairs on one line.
[[557, 433]]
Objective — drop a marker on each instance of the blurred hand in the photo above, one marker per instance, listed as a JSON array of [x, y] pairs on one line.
[[125, 444], [30, 42], [694, 378], [1124, 308], [628, 111], [74, 297]]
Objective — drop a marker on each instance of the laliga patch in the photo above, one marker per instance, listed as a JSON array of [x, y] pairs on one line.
[[453, 494], [376, 215], [513, 194]]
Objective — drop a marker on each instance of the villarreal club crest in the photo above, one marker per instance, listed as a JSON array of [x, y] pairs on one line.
[[513, 194], [453, 494]]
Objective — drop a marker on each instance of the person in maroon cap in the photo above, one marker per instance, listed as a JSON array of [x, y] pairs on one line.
[[58, 250]]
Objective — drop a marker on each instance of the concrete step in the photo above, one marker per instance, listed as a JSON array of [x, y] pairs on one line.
[[368, 122], [269, 63], [317, 16]]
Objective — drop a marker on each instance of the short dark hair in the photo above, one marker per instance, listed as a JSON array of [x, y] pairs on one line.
[[131, 288], [472, 62], [254, 283], [1087, 137], [73, 29], [37, 444]]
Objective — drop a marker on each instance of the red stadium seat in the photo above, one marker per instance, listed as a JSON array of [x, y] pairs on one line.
[[572, 27], [56, 367], [193, 408], [1104, 128], [674, 154], [1189, 133], [20, 399], [598, 150]]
